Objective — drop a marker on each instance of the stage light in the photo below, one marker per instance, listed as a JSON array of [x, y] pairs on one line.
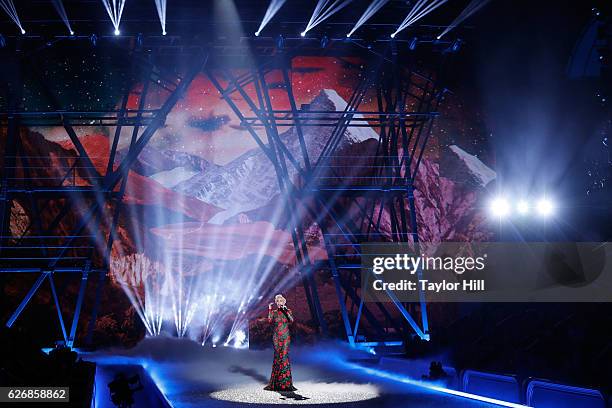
[[271, 11], [545, 207], [348, 35], [160, 5], [392, 35], [324, 10], [522, 207], [9, 8], [420, 9], [413, 43], [303, 34], [59, 7], [367, 14], [114, 9], [500, 207], [470, 9]]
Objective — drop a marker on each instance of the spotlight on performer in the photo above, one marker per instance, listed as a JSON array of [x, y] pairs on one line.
[[545, 207], [500, 207], [522, 207]]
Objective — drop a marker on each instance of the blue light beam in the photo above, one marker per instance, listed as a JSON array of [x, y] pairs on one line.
[[471, 8], [59, 7], [420, 10], [9, 7], [161, 12], [324, 10], [273, 8], [114, 9], [367, 14]]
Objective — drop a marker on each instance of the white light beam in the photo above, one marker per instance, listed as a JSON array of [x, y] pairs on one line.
[[9, 7], [420, 10], [273, 8], [471, 8], [370, 11], [114, 9], [59, 7], [324, 10], [161, 12]]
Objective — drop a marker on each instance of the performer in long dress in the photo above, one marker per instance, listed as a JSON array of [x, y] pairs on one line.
[[280, 318]]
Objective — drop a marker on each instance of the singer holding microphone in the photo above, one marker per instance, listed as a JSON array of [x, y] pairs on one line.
[[280, 318]]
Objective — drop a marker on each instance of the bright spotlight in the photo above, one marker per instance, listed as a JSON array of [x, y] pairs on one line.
[[522, 207], [23, 31], [117, 32], [348, 35], [273, 8], [545, 207], [164, 33], [303, 34], [71, 32], [393, 35], [500, 207]]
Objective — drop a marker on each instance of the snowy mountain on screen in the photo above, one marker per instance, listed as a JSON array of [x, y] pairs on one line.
[[249, 181]]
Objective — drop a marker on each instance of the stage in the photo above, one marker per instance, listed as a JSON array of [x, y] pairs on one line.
[[329, 374]]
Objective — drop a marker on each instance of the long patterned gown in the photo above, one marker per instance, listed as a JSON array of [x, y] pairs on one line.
[[280, 379]]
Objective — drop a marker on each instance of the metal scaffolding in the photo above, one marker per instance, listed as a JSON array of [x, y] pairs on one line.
[[325, 189], [95, 200]]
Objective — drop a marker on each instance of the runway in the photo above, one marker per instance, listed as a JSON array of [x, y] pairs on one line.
[[327, 375]]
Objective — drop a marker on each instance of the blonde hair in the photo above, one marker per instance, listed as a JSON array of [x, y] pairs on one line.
[[279, 296]]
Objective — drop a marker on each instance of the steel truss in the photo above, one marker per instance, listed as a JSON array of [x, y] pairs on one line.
[[322, 193], [45, 250]]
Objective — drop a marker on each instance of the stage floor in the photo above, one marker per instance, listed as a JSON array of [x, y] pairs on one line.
[[192, 376]]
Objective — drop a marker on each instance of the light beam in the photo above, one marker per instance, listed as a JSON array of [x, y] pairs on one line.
[[471, 8], [273, 8], [367, 14], [324, 10], [114, 9], [161, 12], [420, 9], [59, 7], [9, 7]]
